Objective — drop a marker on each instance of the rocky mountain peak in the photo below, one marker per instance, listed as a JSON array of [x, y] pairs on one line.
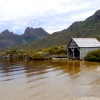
[[34, 32], [6, 33], [28, 31]]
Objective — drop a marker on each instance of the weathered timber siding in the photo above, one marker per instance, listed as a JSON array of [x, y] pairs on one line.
[[72, 44], [84, 51]]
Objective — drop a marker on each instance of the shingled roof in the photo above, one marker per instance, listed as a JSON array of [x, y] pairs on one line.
[[86, 42]]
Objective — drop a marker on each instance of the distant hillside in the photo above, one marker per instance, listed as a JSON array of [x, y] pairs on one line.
[[9, 39], [88, 28]]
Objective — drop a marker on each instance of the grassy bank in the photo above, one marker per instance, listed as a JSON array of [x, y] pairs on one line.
[[39, 54]]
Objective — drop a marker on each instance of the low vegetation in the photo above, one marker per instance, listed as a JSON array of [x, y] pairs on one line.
[[39, 54], [93, 56]]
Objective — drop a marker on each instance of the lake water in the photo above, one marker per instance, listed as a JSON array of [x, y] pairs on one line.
[[49, 80]]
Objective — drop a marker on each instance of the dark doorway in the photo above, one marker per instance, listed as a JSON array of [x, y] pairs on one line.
[[76, 53], [73, 53]]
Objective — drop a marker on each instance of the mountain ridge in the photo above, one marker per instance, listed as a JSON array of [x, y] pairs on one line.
[[90, 27], [9, 39]]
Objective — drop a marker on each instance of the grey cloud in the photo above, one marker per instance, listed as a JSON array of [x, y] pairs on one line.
[[51, 20]]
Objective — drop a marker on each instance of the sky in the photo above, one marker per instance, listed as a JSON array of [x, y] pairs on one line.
[[51, 15]]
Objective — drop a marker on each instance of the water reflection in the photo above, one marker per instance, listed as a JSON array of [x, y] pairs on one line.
[[34, 68], [10, 70], [38, 78]]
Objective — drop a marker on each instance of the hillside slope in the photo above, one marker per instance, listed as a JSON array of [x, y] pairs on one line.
[[88, 28]]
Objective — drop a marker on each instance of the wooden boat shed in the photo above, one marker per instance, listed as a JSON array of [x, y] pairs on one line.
[[79, 47]]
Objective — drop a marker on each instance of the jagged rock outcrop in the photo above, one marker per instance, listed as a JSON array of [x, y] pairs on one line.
[[32, 34]]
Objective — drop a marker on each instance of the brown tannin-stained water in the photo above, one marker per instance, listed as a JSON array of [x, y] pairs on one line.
[[49, 80]]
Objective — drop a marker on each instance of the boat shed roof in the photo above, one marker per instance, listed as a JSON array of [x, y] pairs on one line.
[[86, 42]]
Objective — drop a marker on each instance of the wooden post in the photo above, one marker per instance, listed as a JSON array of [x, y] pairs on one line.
[[67, 53], [73, 52]]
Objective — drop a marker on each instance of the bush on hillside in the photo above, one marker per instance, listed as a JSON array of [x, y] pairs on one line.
[[93, 55], [37, 56], [57, 51]]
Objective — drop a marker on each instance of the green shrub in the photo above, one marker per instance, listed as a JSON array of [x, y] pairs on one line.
[[53, 50], [37, 56], [61, 51], [93, 56], [56, 50]]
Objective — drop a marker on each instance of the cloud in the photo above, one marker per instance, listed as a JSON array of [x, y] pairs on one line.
[[52, 15]]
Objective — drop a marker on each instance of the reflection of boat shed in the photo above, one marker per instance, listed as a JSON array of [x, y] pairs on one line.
[[79, 47]]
